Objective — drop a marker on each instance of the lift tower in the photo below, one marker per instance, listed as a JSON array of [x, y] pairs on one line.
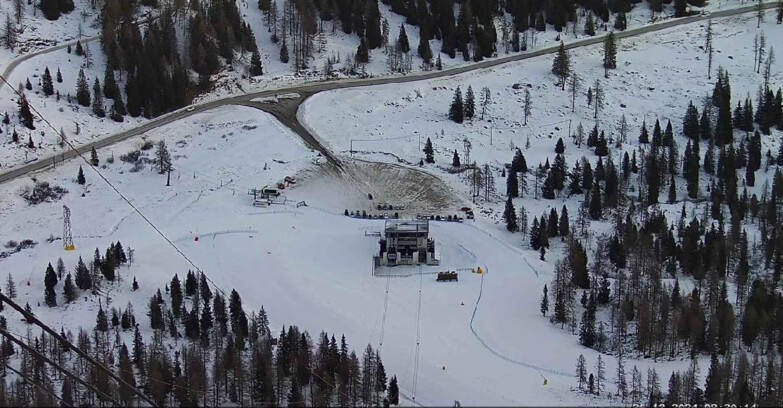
[[67, 237]]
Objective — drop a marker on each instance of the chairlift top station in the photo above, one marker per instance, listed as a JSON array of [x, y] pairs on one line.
[[406, 242]]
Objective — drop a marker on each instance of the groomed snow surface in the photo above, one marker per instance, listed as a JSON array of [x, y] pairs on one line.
[[307, 266]]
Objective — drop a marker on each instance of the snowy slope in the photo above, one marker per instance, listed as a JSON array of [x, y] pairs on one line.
[[310, 265], [657, 75]]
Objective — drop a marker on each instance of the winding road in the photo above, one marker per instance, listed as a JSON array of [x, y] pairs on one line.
[[286, 109]]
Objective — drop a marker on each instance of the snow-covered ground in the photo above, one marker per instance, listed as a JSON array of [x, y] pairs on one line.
[[308, 265], [657, 75], [37, 29]]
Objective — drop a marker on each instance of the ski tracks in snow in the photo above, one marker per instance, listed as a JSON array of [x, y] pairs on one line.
[[502, 356]]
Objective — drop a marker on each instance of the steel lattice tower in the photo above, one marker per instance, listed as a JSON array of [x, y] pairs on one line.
[[67, 237]]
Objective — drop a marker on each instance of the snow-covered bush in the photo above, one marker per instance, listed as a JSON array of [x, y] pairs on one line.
[[42, 192]]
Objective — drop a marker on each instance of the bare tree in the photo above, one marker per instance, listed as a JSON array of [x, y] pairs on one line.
[[9, 33], [489, 183], [19, 11], [759, 13], [708, 48], [574, 85], [761, 53], [579, 136], [527, 105], [599, 98], [755, 50], [486, 99], [622, 131], [768, 67]]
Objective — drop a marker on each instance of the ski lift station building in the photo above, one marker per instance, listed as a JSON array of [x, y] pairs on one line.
[[406, 242]]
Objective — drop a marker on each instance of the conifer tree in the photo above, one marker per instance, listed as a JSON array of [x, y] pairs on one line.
[[545, 302], [50, 280], [705, 126], [425, 51], [590, 25], [46, 82], [80, 177], [595, 209], [563, 227], [510, 216], [101, 320], [535, 232], [94, 157], [25, 114], [470, 103], [162, 158], [457, 109], [175, 290], [587, 325], [644, 137], [402, 40], [394, 391], [672, 191], [284, 58], [455, 160], [69, 289], [82, 90], [97, 101], [610, 54], [690, 123], [59, 76], [429, 153], [28, 85], [512, 184], [82, 276], [362, 52], [256, 66], [10, 287], [561, 66], [653, 178], [110, 88]]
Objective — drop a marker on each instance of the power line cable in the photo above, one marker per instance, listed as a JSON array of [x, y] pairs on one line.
[[35, 352], [44, 389], [145, 219]]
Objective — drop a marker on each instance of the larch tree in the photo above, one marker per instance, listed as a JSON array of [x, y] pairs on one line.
[[599, 98], [574, 85], [9, 33], [486, 99], [527, 106], [581, 371]]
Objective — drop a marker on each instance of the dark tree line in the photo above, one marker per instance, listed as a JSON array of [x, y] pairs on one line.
[[221, 355]]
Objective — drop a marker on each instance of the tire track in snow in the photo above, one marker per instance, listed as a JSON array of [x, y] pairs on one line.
[[510, 360], [507, 245]]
